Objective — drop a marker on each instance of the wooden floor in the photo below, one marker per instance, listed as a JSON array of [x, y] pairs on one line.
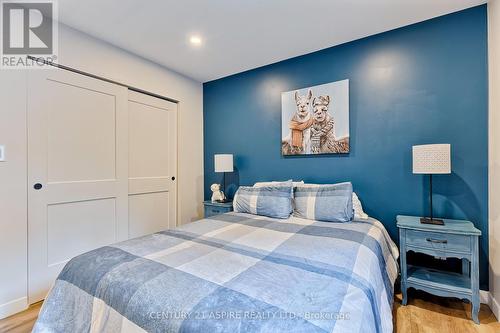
[[434, 314], [429, 314], [22, 322]]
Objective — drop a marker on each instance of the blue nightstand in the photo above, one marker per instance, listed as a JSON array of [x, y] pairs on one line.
[[454, 239], [217, 208]]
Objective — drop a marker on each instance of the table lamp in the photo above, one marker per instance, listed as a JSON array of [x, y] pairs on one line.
[[224, 163], [432, 160]]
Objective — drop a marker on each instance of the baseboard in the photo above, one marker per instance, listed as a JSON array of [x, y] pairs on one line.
[[13, 307], [485, 297], [494, 306]]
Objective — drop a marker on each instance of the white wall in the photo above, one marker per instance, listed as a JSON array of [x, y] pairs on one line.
[[494, 151], [85, 53], [13, 213]]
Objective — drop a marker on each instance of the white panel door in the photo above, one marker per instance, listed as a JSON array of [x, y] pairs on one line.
[[152, 164], [77, 170]]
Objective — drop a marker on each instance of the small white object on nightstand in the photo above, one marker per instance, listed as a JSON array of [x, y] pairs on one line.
[[2, 153], [217, 194]]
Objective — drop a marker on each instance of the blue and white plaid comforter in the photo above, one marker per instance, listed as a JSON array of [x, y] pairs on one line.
[[231, 273]]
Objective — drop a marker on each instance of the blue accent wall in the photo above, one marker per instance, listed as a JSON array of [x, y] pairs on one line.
[[424, 83]]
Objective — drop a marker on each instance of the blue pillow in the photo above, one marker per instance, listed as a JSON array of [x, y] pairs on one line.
[[329, 203], [272, 201]]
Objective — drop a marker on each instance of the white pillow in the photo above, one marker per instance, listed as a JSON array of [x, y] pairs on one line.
[[356, 205], [274, 183], [358, 208]]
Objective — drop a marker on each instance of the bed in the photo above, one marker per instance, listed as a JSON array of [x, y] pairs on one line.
[[234, 272]]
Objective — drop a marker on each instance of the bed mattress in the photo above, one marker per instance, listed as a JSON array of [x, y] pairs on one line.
[[232, 273]]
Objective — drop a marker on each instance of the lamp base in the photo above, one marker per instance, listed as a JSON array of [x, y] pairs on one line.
[[223, 201], [426, 220]]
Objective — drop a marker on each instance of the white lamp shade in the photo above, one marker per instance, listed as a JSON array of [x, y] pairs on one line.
[[432, 159], [223, 162]]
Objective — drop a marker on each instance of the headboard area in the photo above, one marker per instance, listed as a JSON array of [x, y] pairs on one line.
[[424, 83]]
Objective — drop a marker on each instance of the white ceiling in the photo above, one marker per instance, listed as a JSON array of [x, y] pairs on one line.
[[241, 34]]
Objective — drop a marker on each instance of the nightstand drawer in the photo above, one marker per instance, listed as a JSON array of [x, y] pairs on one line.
[[216, 210], [438, 241]]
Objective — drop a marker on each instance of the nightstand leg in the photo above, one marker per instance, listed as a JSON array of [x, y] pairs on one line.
[[465, 267], [402, 258], [475, 280]]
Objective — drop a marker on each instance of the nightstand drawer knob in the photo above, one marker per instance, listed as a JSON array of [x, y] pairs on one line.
[[440, 241]]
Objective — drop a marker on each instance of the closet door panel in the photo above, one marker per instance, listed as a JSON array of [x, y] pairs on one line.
[[86, 120], [152, 164], [148, 138], [148, 213], [77, 170], [66, 222]]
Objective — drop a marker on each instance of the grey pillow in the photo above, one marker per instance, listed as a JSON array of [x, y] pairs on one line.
[[273, 201], [329, 203]]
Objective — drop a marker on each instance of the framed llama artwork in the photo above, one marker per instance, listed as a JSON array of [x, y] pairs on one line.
[[315, 120]]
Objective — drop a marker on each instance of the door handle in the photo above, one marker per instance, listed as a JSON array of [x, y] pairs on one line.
[[173, 178], [37, 186], [440, 241]]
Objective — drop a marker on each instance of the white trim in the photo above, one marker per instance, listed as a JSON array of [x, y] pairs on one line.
[[494, 306], [13, 307], [484, 297]]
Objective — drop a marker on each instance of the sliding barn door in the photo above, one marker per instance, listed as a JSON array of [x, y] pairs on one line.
[[77, 170], [152, 164]]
